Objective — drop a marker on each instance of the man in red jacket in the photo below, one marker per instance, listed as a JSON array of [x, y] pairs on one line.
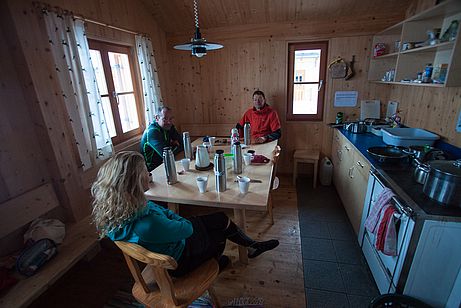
[[264, 121]]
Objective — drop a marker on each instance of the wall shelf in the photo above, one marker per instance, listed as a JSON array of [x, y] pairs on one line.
[[407, 64]]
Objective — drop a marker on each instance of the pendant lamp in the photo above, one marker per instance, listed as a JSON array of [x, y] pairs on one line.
[[198, 45]]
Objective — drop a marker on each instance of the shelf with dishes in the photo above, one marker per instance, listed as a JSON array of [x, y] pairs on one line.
[[421, 50]]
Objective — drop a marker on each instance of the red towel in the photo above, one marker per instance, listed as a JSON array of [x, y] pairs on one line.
[[386, 237], [375, 212]]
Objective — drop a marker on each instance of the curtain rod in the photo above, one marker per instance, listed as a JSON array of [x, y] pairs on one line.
[[105, 25], [57, 9]]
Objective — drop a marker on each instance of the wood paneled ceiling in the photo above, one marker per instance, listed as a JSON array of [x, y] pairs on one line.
[[177, 17]]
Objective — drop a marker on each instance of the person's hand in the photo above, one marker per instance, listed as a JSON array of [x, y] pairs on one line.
[[260, 139]]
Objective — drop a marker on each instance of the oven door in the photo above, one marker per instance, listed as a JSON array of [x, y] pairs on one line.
[[385, 269]]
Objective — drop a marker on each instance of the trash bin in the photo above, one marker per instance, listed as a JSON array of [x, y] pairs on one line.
[[396, 301], [326, 171]]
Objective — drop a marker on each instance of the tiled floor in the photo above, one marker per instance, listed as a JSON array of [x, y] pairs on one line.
[[335, 271]]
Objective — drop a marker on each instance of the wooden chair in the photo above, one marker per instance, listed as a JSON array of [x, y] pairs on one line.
[[306, 156], [154, 287], [275, 159]]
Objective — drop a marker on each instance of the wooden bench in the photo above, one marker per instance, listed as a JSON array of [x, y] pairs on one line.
[[81, 240]]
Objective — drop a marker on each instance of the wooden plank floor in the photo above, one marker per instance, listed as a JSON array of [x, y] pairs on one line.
[[275, 276]]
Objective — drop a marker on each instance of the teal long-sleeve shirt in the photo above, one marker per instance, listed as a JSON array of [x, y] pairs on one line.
[[156, 229]]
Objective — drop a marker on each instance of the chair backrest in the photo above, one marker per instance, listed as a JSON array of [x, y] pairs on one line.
[[159, 263], [275, 159]]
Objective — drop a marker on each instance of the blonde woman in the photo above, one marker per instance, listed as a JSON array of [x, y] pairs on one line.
[[122, 213]]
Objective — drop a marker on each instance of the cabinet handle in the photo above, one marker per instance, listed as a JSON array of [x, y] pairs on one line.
[[360, 164], [340, 154], [351, 172], [347, 149]]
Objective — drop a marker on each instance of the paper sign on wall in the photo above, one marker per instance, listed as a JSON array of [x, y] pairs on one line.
[[345, 98]]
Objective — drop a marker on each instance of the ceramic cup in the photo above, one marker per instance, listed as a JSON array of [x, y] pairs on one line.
[[202, 182], [185, 162], [252, 152], [212, 140], [244, 184], [247, 158]]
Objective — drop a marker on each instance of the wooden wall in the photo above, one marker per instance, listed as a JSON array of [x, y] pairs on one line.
[[218, 87], [37, 143]]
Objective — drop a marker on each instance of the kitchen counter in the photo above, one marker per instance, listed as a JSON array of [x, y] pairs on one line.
[[399, 177]]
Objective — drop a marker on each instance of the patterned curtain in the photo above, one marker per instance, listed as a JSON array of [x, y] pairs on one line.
[[150, 82], [71, 55]]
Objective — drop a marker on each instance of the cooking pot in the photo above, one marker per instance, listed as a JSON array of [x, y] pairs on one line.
[[420, 171], [443, 182], [356, 127], [417, 151]]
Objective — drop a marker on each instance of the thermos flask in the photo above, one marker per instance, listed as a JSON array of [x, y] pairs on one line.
[[220, 171], [237, 162], [187, 146], [170, 167], [247, 133], [234, 136]]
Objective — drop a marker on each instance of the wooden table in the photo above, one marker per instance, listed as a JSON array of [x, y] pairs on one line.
[[186, 190]]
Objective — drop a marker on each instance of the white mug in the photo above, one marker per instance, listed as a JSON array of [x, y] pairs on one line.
[[185, 162], [202, 182], [247, 158], [244, 184], [212, 140]]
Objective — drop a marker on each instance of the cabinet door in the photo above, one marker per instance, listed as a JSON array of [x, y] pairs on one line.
[[336, 157], [358, 184], [356, 187]]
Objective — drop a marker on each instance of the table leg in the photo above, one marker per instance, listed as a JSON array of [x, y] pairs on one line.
[[240, 220], [173, 207]]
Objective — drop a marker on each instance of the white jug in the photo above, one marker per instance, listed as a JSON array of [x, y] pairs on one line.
[[202, 159]]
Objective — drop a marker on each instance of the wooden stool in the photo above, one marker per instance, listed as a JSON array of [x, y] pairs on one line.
[[308, 157]]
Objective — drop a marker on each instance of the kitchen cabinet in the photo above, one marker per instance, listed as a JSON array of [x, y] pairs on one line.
[[350, 176], [402, 66]]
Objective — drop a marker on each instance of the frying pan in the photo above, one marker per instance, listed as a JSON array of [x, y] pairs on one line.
[[388, 154]]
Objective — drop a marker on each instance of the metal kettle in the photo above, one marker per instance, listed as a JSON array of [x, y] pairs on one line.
[[202, 159]]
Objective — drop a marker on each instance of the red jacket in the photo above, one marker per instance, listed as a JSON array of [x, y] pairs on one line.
[[263, 122]]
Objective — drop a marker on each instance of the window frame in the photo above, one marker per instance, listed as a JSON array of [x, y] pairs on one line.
[[292, 47], [104, 48]]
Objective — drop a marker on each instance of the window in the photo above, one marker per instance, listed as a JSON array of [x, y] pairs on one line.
[[113, 66], [306, 80]]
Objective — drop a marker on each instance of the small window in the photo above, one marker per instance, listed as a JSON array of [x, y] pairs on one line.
[[113, 66], [306, 80]]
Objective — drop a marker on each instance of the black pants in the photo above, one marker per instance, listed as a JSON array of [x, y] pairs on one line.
[[207, 241]]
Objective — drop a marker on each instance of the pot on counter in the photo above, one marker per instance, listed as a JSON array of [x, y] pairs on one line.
[[420, 171], [443, 182], [356, 127]]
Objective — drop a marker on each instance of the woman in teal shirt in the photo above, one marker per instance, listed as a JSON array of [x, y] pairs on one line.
[[122, 213]]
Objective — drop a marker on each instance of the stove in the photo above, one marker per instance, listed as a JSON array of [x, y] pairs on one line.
[[402, 176]]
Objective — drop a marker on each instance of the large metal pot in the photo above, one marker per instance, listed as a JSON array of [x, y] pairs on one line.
[[443, 182]]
